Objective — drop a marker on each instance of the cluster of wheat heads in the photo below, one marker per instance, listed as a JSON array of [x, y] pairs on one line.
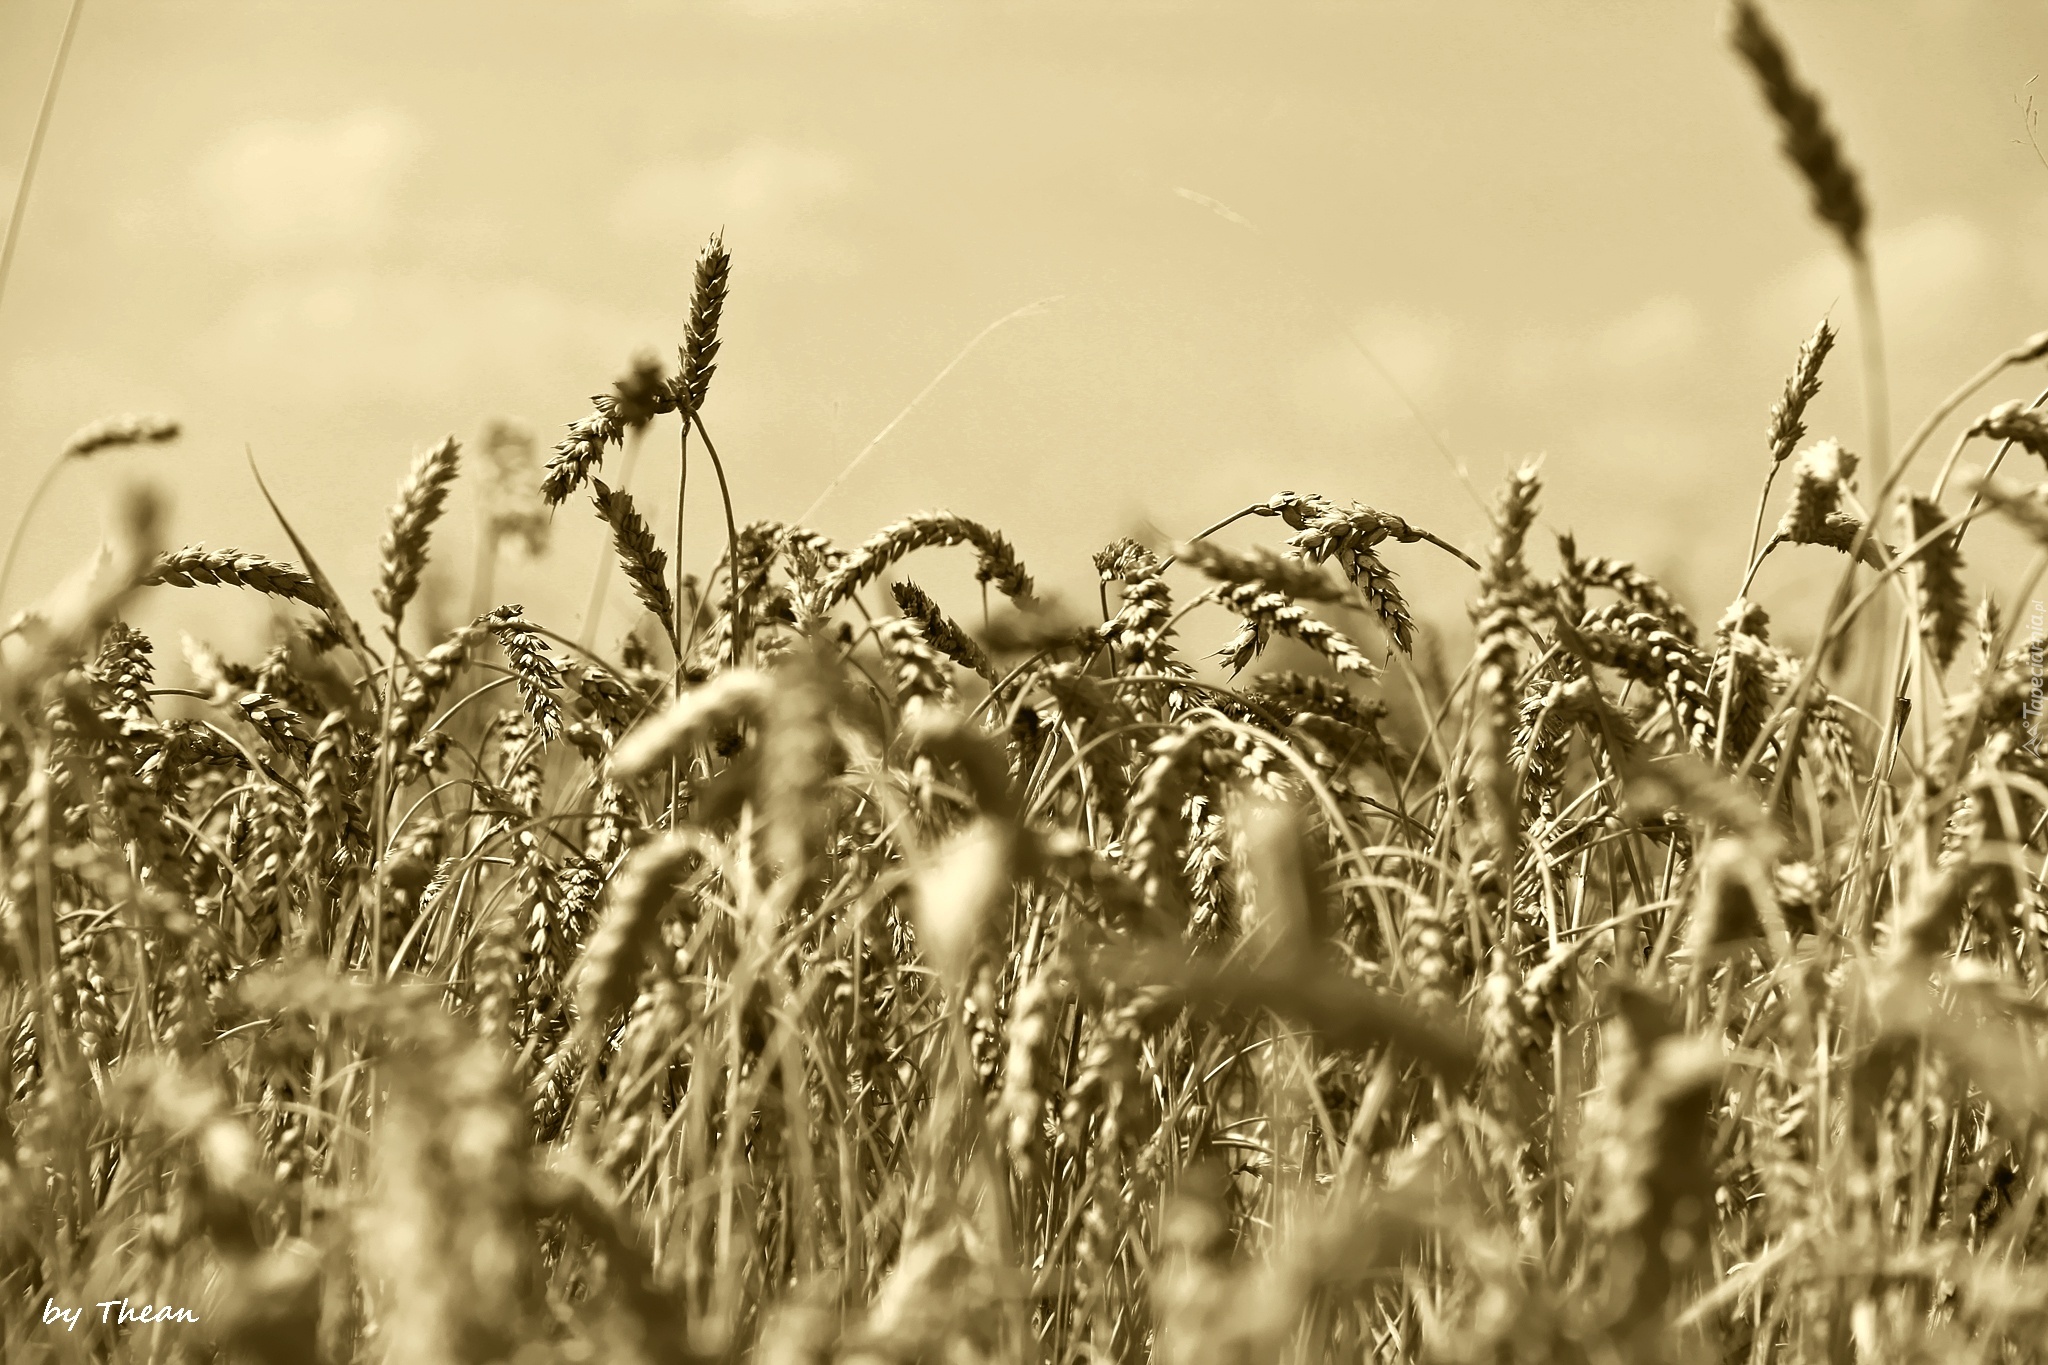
[[825, 979]]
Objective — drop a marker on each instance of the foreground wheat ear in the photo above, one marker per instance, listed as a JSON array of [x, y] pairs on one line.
[[833, 975]]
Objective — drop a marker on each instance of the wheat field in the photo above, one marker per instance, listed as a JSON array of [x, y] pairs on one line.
[[827, 973]]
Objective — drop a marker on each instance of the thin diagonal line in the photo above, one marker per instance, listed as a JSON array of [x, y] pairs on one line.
[[35, 145], [1026, 311], [1315, 296]]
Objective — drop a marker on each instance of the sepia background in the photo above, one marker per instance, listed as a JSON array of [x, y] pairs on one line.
[[331, 234], [1594, 987]]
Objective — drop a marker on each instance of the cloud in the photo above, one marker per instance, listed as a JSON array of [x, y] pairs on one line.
[[1934, 264], [59, 389], [282, 186], [2033, 264], [332, 336], [1417, 349], [1663, 333], [763, 190], [1932, 275], [1650, 343]]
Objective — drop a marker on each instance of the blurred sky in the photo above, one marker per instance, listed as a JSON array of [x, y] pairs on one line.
[[334, 233]]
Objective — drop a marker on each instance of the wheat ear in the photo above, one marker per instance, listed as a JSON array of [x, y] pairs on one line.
[[421, 497], [1809, 143], [645, 564], [235, 569]]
